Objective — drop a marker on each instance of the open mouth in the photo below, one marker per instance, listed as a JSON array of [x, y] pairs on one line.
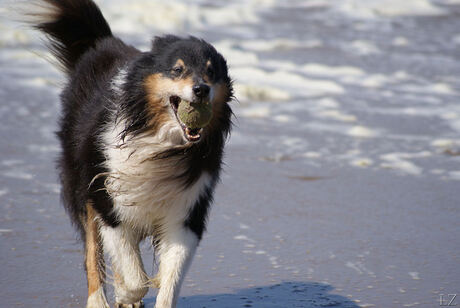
[[191, 134]]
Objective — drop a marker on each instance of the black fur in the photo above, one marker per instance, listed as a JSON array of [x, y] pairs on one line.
[[91, 56], [197, 217], [78, 26], [85, 103]]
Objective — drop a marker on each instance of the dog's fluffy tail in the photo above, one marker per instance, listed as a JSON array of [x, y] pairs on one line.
[[72, 27]]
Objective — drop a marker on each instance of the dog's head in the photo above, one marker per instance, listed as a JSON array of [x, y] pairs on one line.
[[181, 69]]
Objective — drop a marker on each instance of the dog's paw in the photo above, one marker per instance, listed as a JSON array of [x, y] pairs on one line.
[[139, 304]]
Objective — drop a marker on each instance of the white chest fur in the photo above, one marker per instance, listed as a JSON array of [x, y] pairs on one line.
[[145, 193]]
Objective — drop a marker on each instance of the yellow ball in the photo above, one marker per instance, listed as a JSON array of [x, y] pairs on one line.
[[194, 114]]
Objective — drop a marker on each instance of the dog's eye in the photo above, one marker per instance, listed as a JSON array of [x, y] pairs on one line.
[[178, 70]]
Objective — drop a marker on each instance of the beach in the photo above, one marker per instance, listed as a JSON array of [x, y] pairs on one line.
[[341, 183]]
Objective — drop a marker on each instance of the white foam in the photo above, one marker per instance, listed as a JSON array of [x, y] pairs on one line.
[[367, 81], [305, 4], [241, 238], [435, 88], [376, 80], [293, 143], [449, 115], [280, 65], [143, 16], [249, 92], [361, 132], [43, 148], [327, 102], [324, 70], [3, 191], [13, 36], [454, 124], [400, 41], [359, 268], [37, 82], [375, 9], [456, 39], [445, 143], [255, 112], [400, 161], [362, 162], [337, 115], [282, 118], [411, 304], [18, 174], [454, 175], [414, 275], [278, 44], [312, 154], [402, 165], [286, 81], [12, 162], [237, 57], [361, 47]]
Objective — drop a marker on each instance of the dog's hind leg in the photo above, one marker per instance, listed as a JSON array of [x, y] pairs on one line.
[[130, 279], [176, 249], [94, 261]]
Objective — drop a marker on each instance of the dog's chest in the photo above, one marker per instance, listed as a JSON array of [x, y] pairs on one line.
[[157, 204], [146, 192]]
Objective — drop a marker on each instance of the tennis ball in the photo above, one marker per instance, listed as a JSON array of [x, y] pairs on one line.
[[194, 115]]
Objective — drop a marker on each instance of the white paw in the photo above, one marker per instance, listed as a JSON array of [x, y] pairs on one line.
[[97, 300], [139, 304]]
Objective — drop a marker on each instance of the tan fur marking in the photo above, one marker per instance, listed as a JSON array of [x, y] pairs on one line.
[[205, 76], [161, 87], [156, 87], [180, 62], [186, 82], [94, 253]]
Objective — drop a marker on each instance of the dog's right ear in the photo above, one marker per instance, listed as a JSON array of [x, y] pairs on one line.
[[159, 43]]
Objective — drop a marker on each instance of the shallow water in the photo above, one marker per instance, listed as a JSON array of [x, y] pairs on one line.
[[342, 173]]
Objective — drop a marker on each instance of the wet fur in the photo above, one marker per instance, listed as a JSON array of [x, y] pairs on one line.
[[127, 170]]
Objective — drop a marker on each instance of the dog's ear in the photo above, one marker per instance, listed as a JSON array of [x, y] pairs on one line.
[[159, 43]]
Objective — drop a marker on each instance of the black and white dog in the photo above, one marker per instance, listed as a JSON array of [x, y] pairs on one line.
[[130, 169]]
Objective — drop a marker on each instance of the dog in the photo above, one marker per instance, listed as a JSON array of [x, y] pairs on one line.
[[130, 168]]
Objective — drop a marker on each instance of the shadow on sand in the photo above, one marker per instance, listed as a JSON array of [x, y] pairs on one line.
[[283, 295]]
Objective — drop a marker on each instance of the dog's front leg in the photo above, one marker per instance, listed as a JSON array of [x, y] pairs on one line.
[[176, 249], [130, 280]]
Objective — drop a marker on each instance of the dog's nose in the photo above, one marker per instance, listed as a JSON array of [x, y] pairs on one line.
[[201, 90]]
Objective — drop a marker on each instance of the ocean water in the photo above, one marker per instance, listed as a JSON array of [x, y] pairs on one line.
[[342, 172]]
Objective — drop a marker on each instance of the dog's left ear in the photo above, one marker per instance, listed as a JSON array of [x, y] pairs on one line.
[[159, 43]]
